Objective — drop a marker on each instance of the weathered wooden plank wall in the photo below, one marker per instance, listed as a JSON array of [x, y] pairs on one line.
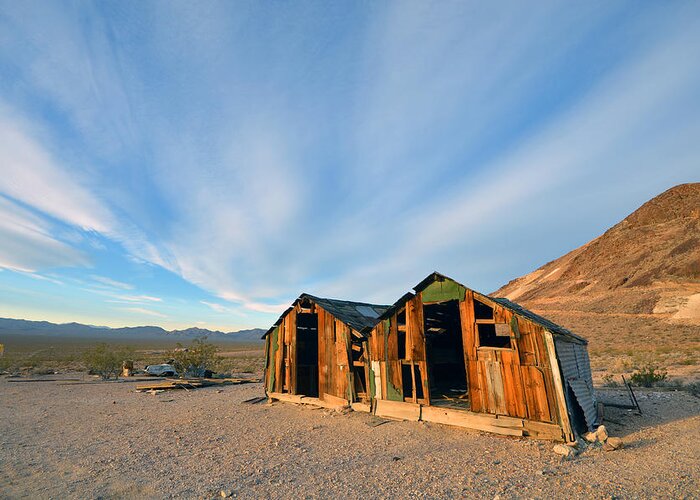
[[515, 381]]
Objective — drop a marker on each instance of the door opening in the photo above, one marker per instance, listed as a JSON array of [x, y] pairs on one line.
[[445, 355], [307, 354]]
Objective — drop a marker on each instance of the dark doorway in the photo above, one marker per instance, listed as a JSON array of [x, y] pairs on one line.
[[576, 413], [307, 354], [445, 354]]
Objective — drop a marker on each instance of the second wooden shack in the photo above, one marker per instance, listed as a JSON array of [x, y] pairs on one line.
[[316, 350], [451, 355]]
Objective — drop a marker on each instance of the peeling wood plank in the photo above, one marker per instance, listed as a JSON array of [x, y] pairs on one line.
[[397, 409], [562, 410], [467, 420], [363, 407]]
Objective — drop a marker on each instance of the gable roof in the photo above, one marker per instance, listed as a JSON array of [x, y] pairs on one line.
[[357, 315], [506, 303]]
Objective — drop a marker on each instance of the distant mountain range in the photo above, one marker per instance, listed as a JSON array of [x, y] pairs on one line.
[[76, 330]]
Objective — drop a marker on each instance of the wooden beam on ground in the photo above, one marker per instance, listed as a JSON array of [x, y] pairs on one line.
[[364, 407], [334, 400], [283, 396], [543, 430], [325, 404], [397, 409], [461, 418]]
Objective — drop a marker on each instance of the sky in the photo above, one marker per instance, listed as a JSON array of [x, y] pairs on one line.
[[203, 163]]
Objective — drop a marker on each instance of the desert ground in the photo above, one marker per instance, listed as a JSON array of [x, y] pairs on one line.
[[70, 439]]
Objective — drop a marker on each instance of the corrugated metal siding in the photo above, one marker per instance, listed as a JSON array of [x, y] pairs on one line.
[[584, 366], [584, 396], [576, 371]]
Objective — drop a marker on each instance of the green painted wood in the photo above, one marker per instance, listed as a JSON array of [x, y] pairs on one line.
[[273, 351], [442, 291]]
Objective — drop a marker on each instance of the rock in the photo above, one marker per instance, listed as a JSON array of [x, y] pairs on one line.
[[613, 443], [225, 493], [602, 433], [563, 450], [591, 437]]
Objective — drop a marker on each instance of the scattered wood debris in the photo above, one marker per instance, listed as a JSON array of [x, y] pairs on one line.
[[46, 380], [188, 384]]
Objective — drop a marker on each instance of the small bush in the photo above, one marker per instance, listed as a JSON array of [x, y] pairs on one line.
[[105, 361], [609, 380], [648, 376], [195, 360], [694, 389]]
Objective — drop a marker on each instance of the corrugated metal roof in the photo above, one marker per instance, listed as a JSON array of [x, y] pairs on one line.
[[360, 316]]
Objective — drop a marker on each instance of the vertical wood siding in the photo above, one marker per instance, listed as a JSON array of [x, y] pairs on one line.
[[515, 382]]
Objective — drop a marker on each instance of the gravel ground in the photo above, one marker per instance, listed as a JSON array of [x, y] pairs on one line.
[[104, 440]]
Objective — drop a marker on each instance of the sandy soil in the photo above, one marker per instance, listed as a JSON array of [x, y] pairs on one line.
[[104, 440]]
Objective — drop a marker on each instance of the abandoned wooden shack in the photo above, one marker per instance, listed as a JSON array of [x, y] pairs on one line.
[[316, 351], [451, 355], [443, 353]]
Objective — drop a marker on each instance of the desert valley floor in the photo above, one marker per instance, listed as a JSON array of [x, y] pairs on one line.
[[104, 440]]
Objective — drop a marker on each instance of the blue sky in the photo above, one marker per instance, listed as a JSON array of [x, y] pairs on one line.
[[202, 163]]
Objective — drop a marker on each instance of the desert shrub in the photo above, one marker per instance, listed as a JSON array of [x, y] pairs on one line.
[[693, 388], [609, 380], [648, 376], [106, 361], [196, 359]]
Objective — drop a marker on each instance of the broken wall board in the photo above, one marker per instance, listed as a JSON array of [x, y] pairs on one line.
[[306, 400], [561, 407], [325, 404], [334, 400], [363, 407], [458, 418], [542, 430], [396, 409], [289, 398]]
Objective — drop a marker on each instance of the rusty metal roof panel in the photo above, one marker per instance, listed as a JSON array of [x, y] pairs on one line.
[[360, 316], [357, 315]]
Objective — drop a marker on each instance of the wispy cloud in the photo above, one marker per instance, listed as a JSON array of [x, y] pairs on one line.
[[111, 283], [30, 175], [216, 307], [142, 310], [41, 277], [27, 243], [138, 298]]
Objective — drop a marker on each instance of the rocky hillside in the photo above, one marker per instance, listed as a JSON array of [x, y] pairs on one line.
[[634, 291], [647, 264]]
